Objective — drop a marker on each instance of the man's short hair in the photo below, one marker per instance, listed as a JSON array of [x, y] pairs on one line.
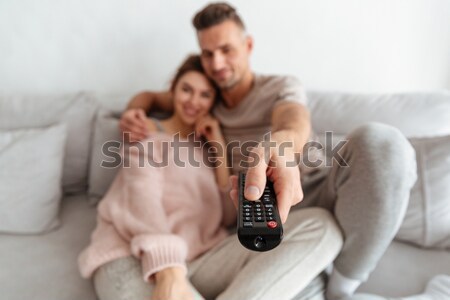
[[214, 14]]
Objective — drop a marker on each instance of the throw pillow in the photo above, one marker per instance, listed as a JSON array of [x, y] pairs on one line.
[[31, 166]]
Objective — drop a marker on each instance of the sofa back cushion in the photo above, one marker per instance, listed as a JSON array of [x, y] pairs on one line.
[[105, 145], [31, 164], [415, 114], [424, 119], [75, 110]]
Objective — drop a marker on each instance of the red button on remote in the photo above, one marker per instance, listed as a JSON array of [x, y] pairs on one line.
[[272, 224]]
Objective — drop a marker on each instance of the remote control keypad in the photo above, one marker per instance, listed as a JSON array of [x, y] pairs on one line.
[[258, 211]]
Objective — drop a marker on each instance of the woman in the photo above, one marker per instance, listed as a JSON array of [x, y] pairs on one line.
[[159, 226]]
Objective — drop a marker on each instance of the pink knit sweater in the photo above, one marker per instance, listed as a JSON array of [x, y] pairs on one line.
[[163, 215]]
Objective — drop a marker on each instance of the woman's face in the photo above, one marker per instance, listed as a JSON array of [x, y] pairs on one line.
[[193, 97]]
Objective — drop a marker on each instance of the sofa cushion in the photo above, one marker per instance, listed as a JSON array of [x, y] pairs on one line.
[[427, 220], [31, 163], [106, 130], [415, 114], [404, 270], [423, 118], [45, 266], [76, 110]]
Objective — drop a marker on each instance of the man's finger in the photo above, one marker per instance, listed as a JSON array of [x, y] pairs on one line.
[[234, 182], [284, 204], [286, 183], [234, 190], [133, 125], [140, 114], [234, 198], [137, 118], [255, 180]]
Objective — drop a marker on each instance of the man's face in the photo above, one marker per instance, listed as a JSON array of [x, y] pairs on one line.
[[225, 53]]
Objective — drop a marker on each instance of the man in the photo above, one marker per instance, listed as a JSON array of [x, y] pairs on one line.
[[368, 197]]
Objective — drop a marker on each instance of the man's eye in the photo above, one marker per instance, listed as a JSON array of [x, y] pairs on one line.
[[206, 54], [185, 89]]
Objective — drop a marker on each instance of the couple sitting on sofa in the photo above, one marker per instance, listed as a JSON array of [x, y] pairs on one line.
[[161, 231]]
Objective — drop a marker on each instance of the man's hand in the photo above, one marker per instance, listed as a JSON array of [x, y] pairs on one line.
[[134, 123], [285, 178], [171, 283]]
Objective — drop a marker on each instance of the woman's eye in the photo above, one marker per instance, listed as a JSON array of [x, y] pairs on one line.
[[207, 95], [185, 89]]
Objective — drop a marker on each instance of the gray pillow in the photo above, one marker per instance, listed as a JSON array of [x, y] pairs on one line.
[[427, 220], [106, 130], [31, 165], [77, 111]]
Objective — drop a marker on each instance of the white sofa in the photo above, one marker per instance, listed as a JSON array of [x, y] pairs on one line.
[[43, 265]]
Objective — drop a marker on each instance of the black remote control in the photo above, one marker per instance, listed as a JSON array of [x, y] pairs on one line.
[[259, 225]]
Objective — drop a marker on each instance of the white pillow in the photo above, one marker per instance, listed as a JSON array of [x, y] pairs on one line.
[[106, 129], [31, 165], [427, 220]]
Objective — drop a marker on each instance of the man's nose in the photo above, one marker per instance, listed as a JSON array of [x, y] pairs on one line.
[[218, 61]]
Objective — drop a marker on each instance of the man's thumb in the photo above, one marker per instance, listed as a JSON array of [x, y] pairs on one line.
[[255, 183]]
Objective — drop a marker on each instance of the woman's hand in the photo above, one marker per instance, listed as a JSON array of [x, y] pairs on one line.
[[209, 127], [171, 283]]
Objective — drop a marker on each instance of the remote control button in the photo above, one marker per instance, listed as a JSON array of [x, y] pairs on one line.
[[268, 205], [272, 224], [269, 209], [259, 219], [260, 242], [259, 214], [269, 214], [247, 219], [248, 224], [270, 219]]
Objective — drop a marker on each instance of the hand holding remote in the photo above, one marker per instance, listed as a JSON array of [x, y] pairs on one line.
[[285, 178], [259, 225]]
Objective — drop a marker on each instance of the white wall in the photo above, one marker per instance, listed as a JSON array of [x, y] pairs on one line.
[[121, 46]]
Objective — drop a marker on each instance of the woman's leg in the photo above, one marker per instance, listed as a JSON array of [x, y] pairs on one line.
[[122, 279], [311, 241]]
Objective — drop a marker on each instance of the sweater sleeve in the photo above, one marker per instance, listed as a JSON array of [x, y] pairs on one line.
[[145, 218]]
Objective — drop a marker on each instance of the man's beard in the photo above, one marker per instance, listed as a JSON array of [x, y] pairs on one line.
[[230, 84]]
